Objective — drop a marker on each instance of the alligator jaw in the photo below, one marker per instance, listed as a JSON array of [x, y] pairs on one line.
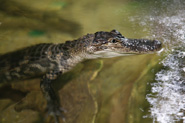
[[107, 53], [113, 44]]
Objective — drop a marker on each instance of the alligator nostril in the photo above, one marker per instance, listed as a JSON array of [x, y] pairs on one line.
[[157, 43]]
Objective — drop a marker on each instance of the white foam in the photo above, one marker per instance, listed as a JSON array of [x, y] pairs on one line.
[[167, 24], [168, 92], [183, 69], [169, 101], [160, 51]]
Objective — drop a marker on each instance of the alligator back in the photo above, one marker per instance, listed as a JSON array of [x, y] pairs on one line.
[[28, 62]]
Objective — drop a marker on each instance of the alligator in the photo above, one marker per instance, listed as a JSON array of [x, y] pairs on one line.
[[51, 60]]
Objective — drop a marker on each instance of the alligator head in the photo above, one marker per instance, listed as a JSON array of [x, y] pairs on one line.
[[112, 44]]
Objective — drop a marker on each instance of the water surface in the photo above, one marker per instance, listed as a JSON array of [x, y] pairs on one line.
[[133, 89]]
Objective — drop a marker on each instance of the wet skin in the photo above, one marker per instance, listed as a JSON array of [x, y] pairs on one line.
[[52, 60]]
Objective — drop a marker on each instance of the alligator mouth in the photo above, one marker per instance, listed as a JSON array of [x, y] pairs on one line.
[[109, 53]]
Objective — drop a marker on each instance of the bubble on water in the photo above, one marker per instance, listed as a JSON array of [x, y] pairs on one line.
[[181, 54], [183, 69]]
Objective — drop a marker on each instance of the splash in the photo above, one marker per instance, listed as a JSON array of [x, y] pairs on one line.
[[168, 92], [166, 20], [168, 98]]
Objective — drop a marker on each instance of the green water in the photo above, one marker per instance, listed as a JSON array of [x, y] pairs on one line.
[[95, 91]]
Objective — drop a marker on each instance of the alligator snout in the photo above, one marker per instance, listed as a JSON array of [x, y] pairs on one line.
[[157, 44], [142, 45]]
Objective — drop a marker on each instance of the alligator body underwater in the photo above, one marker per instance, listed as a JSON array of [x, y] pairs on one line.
[[51, 60]]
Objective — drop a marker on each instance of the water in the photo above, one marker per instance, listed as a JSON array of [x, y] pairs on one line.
[[167, 23], [167, 99], [119, 91]]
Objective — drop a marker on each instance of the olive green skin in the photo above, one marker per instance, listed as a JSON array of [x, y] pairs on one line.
[[51, 60]]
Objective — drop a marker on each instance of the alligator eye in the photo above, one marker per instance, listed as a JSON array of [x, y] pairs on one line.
[[113, 41]]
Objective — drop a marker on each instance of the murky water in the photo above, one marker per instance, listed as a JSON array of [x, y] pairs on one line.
[[130, 89]]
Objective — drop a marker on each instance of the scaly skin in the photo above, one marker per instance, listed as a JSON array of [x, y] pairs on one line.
[[51, 60]]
